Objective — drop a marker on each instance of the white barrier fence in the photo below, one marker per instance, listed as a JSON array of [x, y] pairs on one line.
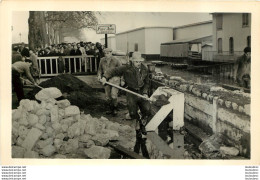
[[52, 66]]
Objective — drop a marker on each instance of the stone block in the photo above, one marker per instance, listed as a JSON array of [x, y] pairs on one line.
[[32, 119], [71, 146], [58, 143], [60, 136], [220, 102], [64, 127], [57, 127], [110, 134], [15, 128], [74, 130], [199, 104], [47, 93], [247, 109], [61, 114], [228, 104], [113, 126], [63, 103], [184, 87], [209, 97], [85, 138], [43, 143], [234, 106], [72, 111], [42, 111], [17, 114], [18, 152], [31, 154], [51, 101], [42, 119], [82, 124], [39, 126], [100, 139], [241, 109], [23, 131], [19, 141], [204, 95], [97, 152], [67, 121], [238, 121], [55, 114], [23, 120], [48, 150], [93, 127], [50, 131], [26, 105], [231, 151], [45, 136]]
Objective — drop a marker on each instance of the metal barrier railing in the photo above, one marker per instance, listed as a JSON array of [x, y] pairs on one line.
[[52, 66]]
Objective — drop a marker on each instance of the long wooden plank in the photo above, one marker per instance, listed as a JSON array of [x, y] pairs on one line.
[[125, 152], [160, 144]]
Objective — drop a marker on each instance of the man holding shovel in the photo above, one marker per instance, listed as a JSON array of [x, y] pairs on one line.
[[18, 69], [136, 78], [109, 62]]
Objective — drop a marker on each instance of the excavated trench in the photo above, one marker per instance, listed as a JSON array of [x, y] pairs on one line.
[[92, 101]]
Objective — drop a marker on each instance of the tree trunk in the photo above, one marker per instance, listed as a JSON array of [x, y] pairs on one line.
[[37, 36]]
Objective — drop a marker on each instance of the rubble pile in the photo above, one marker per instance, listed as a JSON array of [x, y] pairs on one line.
[[73, 89], [216, 148], [56, 129]]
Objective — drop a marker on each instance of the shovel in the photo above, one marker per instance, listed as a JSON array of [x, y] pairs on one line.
[[127, 90], [31, 83]]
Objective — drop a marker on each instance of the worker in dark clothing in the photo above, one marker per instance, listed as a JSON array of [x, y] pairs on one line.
[[136, 78], [243, 69], [18, 69]]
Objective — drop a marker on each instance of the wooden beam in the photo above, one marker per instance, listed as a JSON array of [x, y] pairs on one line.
[[160, 144], [120, 149]]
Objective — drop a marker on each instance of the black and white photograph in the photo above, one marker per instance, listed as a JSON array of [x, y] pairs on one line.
[[131, 85]]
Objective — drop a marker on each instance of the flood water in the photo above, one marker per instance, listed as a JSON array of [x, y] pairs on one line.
[[196, 77]]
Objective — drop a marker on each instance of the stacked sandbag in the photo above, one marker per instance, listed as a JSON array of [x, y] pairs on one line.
[[56, 129]]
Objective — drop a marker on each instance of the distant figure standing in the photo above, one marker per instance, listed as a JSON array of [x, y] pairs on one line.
[[243, 69], [24, 51], [34, 68]]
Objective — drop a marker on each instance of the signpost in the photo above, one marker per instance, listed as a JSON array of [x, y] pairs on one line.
[[106, 29]]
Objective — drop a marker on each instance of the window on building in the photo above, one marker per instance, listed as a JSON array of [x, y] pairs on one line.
[[136, 46], [248, 42], [245, 19], [231, 45], [219, 21], [219, 45]]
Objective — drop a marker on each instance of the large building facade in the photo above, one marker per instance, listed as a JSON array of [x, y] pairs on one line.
[[231, 34], [146, 40], [111, 42], [195, 30]]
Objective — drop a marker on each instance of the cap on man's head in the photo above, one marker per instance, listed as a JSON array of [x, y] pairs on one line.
[[247, 49], [136, 56], [107, 50]]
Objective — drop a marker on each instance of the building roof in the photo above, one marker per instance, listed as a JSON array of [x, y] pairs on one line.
[[188, 40], [193, 24], [137, 29]]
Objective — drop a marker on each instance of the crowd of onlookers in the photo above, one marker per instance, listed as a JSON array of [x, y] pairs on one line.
[[63, 49], [22, 53]]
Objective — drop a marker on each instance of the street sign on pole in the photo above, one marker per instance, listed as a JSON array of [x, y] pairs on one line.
[[106, 29]]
